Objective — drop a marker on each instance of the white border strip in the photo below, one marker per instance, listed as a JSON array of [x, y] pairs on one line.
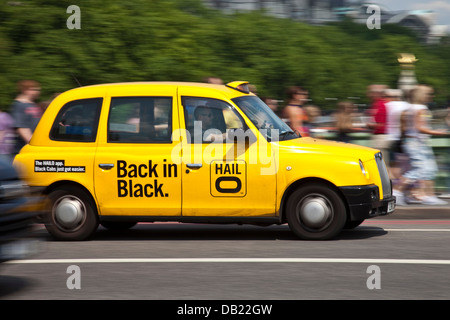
[[416, 230], [232, 260]]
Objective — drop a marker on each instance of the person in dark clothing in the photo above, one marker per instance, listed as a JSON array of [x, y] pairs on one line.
[[25, 112]]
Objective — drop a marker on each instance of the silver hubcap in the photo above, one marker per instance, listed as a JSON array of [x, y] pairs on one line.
[[315, 212], [69, 212]]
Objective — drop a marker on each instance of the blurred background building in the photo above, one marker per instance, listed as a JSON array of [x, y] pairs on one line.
[[423, 22]]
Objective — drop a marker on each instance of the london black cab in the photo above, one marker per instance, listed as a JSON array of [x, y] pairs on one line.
[[118, 154]]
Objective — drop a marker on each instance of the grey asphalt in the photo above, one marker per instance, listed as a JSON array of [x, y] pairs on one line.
[[419, 212]]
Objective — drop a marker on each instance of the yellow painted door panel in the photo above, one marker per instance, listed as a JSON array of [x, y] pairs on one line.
[[137, 180], [134, 173], [214, 184], [221, 177]]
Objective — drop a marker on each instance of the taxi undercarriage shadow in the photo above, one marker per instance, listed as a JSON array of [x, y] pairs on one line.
[[198, 232]]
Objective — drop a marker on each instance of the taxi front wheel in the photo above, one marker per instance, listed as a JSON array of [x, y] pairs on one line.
[[316, 212], [72, 214]]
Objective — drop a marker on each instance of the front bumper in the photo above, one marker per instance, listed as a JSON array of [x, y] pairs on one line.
[[364, 202]]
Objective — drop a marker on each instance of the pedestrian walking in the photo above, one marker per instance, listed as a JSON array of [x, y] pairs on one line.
[[378, 118], [6, 136], [417, 145], [397, 160], [344, 115], [293, 112], [25, 112], [272, 104]]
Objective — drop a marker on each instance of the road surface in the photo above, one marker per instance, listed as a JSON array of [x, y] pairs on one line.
[[385, 258]]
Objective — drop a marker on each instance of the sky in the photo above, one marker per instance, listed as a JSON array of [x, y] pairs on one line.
[[440, 7]]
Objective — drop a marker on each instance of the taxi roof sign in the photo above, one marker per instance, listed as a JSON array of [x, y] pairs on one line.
[[241, 86]]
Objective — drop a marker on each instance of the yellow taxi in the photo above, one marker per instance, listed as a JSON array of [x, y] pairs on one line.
[[119, 154]]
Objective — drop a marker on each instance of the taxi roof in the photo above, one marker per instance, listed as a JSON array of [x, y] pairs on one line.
[[231, 89]]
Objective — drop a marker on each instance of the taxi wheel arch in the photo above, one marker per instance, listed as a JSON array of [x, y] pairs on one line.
[[72, 213], [315, 210]]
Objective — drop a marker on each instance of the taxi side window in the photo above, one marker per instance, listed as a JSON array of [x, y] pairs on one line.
[[140, 120], [206, 116], [77, 121]]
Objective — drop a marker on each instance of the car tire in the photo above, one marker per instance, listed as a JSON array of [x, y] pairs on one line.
[[72, 214], [316, 212]]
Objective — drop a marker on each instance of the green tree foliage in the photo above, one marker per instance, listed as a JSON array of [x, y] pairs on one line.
[[153, 40]]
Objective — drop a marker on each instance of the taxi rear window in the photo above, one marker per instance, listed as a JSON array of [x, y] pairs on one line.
[[77, 121], [140, 120]]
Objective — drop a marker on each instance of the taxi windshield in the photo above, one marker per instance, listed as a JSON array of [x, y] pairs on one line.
[[267, 122]]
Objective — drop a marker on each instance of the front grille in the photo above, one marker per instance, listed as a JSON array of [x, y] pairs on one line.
[[384, 175]]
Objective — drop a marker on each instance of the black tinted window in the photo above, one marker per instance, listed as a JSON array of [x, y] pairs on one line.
[[140, 120]]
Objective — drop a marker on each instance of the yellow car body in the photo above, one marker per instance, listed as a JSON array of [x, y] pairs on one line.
[[131, 154]]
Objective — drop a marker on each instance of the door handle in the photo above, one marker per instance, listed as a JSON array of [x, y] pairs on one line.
[[106, 166], [194, 165]]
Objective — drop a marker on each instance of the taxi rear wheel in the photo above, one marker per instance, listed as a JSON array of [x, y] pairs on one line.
[[316, 212], [72, 214]]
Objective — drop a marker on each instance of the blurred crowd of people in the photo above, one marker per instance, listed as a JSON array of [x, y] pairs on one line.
[[400, 124], [398, 120]]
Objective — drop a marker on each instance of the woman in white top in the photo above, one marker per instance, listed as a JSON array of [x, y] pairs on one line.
[[417, 144]]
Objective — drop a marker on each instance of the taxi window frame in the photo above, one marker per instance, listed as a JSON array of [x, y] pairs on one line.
[[65, 107], [142, 142], [232, 107]]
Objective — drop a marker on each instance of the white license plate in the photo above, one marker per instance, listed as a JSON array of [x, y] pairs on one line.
[[391, 206]]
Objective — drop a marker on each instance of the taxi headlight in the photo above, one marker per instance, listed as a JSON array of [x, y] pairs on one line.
[[363, 169]]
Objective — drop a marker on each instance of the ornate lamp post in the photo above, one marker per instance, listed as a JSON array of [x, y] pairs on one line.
[[407, 79]]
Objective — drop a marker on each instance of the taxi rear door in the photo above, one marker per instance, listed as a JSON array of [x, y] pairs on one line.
[[133, 171]]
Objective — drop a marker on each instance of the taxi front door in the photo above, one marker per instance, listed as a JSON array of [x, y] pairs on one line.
[[229, 179]]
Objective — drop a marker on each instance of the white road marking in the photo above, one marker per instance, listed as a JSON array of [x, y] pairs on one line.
[[253, 260], [233, 260], [404, 230]]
